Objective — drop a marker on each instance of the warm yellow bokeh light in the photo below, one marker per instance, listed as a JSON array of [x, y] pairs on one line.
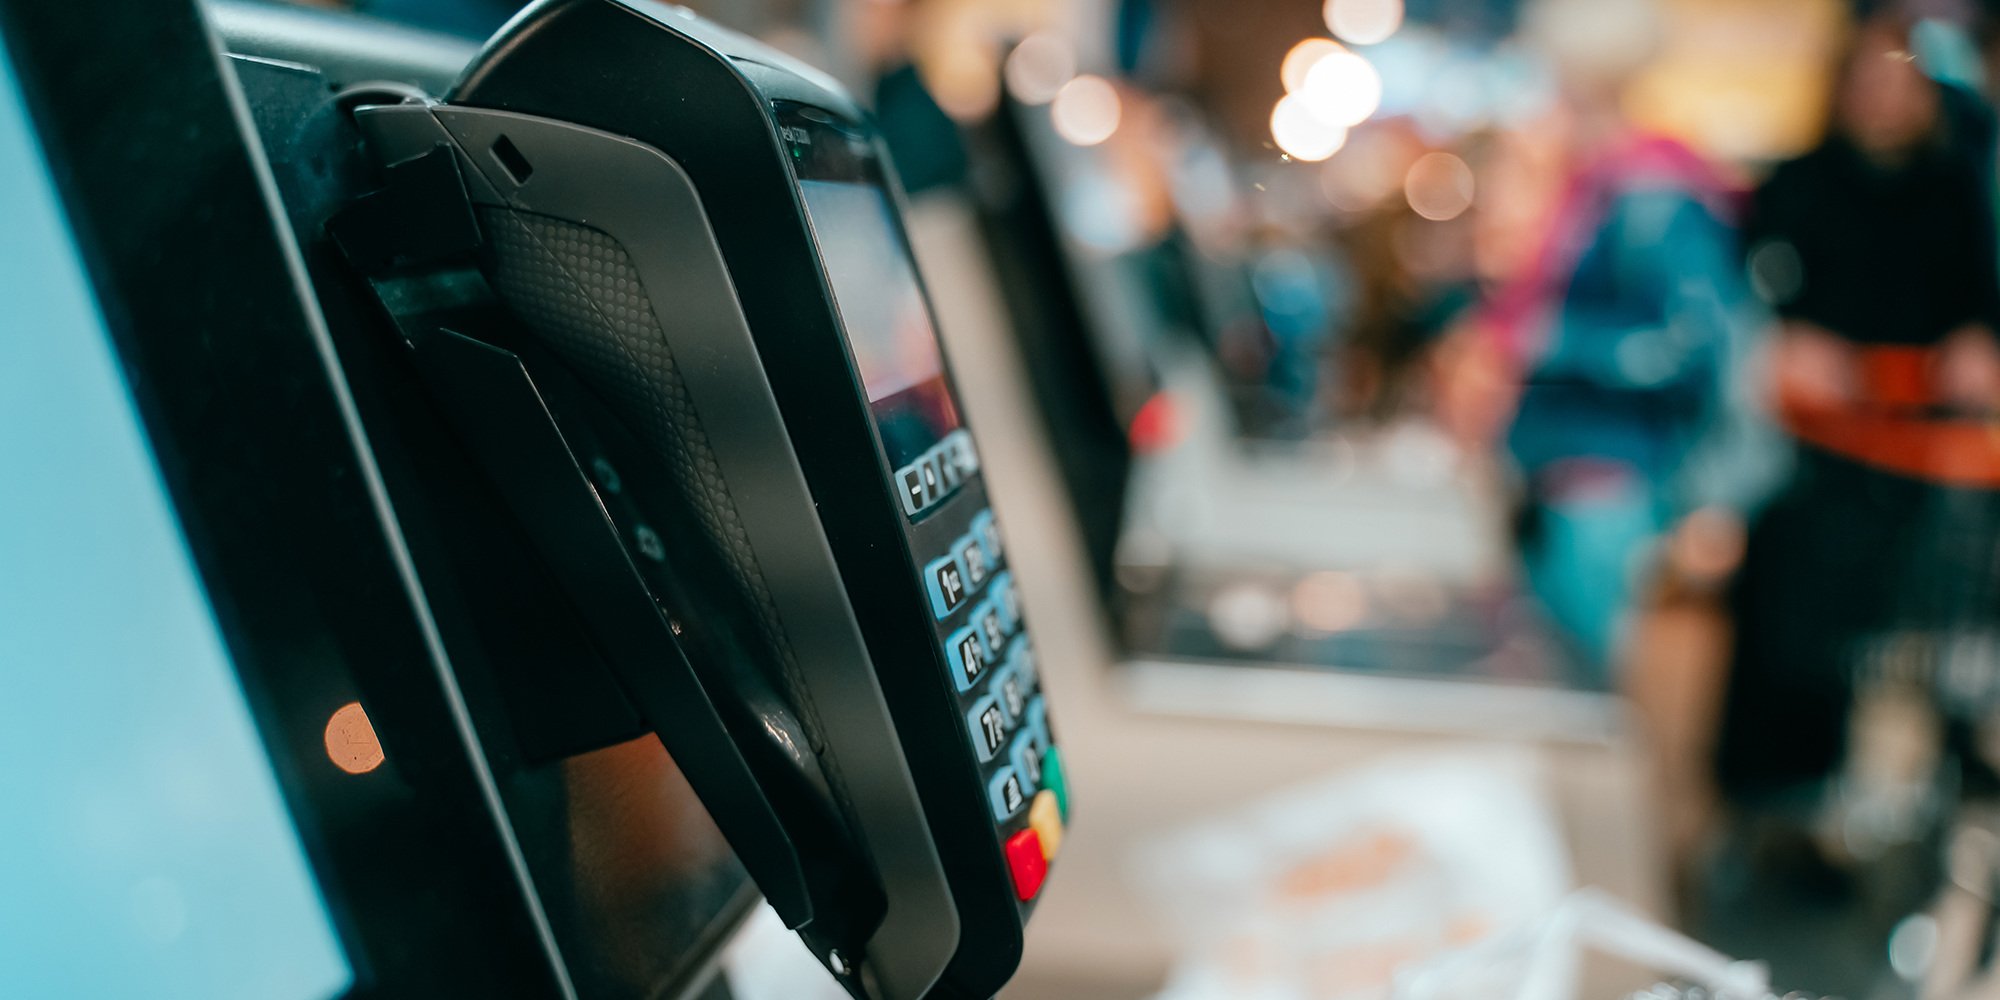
[[1364, 22], [1299, 61], [1342, 89], [966, 86], [1039, 66], [1303, 135], [1086, 110], [351, 742]]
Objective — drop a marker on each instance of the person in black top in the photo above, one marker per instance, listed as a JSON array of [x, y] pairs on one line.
[[1884, 224], [1877, 252], [1838, 745]]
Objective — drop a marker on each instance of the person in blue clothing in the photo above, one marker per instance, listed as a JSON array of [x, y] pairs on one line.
[[1626, 332]]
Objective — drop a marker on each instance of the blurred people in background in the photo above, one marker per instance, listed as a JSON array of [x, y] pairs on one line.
[[1415, 274], [1877, 251], [1621, 328], [922, 138]]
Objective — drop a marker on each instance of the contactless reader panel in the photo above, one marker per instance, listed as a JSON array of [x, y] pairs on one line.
[[714, 332]]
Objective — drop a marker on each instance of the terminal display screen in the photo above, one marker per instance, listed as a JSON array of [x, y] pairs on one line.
[[882, 307], [145, 848]]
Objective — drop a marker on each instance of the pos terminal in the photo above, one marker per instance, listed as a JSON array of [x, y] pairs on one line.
[[662, 292]]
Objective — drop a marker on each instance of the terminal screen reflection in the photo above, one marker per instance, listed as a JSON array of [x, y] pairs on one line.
[[144, 846], [882, 307]]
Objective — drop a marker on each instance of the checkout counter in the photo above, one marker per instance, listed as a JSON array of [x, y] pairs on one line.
[[453, 763]]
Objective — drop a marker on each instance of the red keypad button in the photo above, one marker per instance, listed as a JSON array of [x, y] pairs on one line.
[[1025, 860]]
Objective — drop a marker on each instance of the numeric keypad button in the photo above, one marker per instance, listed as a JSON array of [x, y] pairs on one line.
[[987, 530], [910, 483], [1023, 660], [988, 725], [1007, 795], [950, 473], [969, 657], [972, 556], [945, 579], [934, 489], [1038, 721], [1026, 756], [959, 445], [1005, 600], [987, 620], [1012, 697]]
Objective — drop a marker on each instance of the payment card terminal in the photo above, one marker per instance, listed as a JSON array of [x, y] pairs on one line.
[[707, 342]]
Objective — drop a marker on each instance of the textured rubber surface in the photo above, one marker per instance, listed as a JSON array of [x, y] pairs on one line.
[[577, 288]]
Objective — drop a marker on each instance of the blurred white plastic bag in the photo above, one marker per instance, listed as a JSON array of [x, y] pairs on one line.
[[1324, 892], [1543, 960]]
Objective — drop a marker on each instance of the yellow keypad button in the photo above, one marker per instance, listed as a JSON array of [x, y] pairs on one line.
[[1045, 818]]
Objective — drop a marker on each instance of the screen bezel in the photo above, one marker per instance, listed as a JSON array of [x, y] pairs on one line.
[[857, 158], [926, 535], [999, 923]]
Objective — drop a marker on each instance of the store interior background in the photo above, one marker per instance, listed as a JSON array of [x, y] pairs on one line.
[[1396, 655]]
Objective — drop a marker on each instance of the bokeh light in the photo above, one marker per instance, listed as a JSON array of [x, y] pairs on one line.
[[1369, 169], [1299, 61], [1248, 615], [966, 84], [1086, 110], [1410, 594], [1439, 186], [1038, 67], [1303, 135], [1342, 89], [1329, 602], [1364, 22]]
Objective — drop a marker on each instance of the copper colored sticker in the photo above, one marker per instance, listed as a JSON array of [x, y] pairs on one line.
[[351, 742]]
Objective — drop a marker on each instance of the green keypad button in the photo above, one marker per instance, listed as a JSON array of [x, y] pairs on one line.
[[1054, 780]]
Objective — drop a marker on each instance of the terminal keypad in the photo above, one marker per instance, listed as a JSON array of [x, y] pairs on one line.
[[991, 658]]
